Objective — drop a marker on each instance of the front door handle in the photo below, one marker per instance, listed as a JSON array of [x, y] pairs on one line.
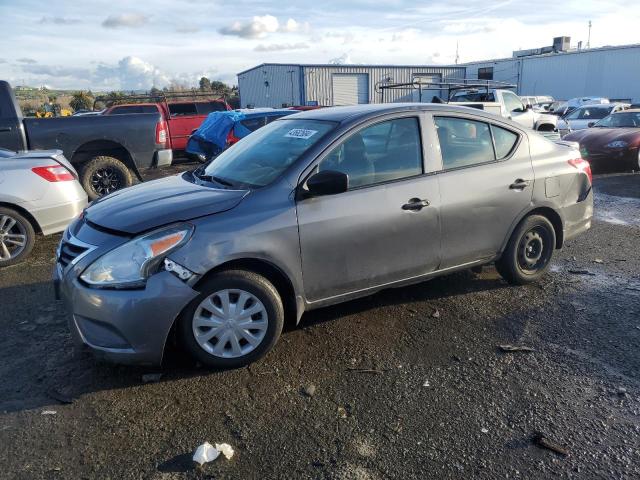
[[415, 204], [519, 184], [5, 129]]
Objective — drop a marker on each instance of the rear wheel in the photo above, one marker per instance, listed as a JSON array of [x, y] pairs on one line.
[[103, 175], [236, 319], [17, 237], [529, 251]]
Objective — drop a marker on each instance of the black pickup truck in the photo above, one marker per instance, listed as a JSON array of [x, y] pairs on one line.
[[108, 151]]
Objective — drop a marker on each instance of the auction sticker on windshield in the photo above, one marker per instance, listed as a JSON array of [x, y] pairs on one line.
[[301, 133]]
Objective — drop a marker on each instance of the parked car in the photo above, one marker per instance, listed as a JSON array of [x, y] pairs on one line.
[[613, 143], [108, 152], [315, 209], [586, 116], [569, 106], [181, 118], [532, 101], [223, 129], [505, 103], [39, 194]]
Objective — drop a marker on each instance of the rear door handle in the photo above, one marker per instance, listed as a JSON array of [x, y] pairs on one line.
[[5, 129], [519, 184], [415, 204]]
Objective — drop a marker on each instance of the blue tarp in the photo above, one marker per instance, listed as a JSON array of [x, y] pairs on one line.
[[213, 131]]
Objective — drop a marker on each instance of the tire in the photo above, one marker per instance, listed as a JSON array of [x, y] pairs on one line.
[[14, 228], [103, 175], [197, 318], [529, 251]]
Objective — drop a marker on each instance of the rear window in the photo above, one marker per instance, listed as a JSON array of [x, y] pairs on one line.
[[182, 109], [128, 109], [590, 113], [208, 107]]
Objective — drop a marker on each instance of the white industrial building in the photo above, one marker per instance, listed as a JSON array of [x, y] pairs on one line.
[[558, 70]]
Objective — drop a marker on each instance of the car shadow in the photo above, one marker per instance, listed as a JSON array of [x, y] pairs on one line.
[[41, 366]]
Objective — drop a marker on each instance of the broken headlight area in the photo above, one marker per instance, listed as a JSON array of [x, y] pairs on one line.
[[178, 270]]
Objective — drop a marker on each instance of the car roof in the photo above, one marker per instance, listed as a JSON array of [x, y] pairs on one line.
[[356, 112], [256, 112]]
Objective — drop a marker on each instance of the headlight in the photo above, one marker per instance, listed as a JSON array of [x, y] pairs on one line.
[[617, 144], [130, 264]]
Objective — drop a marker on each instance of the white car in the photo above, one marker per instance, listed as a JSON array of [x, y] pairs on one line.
[[586, 115], [39, 193]]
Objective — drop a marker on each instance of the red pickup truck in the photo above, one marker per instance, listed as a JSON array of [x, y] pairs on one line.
[[181, 118]]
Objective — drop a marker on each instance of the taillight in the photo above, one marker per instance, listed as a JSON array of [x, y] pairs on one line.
[[53, 173], [582, 165], [161, 132]]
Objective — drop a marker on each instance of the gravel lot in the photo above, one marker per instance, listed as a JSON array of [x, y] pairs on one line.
[[409, 383]]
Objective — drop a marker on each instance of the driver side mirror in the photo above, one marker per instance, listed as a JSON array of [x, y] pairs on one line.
[[591, 124], [327, 182]]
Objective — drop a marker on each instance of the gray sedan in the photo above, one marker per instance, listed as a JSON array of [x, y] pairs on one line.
[[315, 209], [39, 193]]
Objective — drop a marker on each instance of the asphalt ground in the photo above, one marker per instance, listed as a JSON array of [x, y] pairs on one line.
[[408, 383]]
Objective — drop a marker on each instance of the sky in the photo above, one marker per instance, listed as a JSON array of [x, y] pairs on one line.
[[118, 44]]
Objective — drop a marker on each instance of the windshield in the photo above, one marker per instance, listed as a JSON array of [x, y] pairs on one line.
[[620, 120], [589, 113], [264, 155]]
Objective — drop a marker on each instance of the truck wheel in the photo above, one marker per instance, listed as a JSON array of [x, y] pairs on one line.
[[16, 237], [236, 319], [529, 251], [103, 175]]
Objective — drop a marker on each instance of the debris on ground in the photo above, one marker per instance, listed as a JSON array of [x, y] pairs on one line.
[[61, 397], [544, 442], [598, 260], [49, 412], [436, 314], [151, 377], [225, 449], [622, 391], [484, 430], [365, 370], [426, 383], [309, 390], [581, 272], [205, 453], [342, 412], [515, 348]]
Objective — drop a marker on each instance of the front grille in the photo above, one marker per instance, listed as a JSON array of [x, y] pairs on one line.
[[71, 250]]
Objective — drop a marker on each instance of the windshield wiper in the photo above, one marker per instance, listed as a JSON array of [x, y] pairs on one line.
[[211, 178]]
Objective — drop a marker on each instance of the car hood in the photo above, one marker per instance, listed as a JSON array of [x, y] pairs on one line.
[[152, 204], [597, 136]]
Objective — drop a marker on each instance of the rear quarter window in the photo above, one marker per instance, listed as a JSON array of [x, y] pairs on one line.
[[504, 140]]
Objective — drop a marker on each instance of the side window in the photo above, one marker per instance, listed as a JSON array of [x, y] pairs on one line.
[[125, 110], [182, 109], [464, 142], [512, 102], [149, 109], [253, 124], [273, 118], [205, 108], [504, 141], [386, 151]]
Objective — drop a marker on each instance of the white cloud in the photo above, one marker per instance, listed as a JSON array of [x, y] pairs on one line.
[[28, 61], [261, 26], [131, 73], [59, 20], [130, 20], [344, 59], [277, 47]]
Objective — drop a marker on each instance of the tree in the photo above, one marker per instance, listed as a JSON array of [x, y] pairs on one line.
[[205, 84], [81, 101]]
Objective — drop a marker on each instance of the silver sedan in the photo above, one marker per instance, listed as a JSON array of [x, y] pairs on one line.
[[39, 193]]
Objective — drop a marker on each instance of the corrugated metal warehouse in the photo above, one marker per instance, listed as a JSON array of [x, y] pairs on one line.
[[611, 72]]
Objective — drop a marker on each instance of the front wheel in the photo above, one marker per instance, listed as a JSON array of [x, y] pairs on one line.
[[103, 175], [236, 319], [529, 251]]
